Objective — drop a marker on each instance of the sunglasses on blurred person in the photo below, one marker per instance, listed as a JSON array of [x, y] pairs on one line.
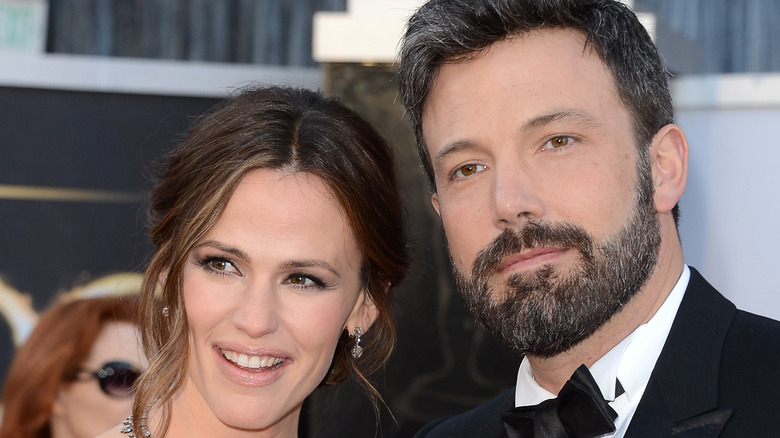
[[116, 379]]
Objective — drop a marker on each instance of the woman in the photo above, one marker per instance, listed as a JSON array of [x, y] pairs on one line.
[[278, 233], [73, 377]]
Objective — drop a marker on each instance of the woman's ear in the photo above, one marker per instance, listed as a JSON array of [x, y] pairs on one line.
[[363, 314], [669, 158]]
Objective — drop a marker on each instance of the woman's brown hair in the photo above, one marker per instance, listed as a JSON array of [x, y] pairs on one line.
[[59, 344], [292, 130]]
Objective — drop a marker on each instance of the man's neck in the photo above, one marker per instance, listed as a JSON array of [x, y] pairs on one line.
[[553, 372]]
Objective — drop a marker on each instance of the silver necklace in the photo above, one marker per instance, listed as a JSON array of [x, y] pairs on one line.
[[128, 427]]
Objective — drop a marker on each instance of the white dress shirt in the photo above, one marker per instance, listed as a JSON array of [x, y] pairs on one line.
[[631, 362]]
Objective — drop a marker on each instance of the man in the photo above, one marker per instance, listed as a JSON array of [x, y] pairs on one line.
[[546, 129]]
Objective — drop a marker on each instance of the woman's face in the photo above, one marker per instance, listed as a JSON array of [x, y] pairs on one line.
[[268, 291], [82, 409]]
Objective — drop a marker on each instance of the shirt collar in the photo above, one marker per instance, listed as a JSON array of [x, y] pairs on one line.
[[631, 361]]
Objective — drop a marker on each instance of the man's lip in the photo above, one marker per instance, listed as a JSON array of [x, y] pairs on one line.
[[530, 257]]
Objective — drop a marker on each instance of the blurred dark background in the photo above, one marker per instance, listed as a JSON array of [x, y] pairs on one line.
[[695, 36]]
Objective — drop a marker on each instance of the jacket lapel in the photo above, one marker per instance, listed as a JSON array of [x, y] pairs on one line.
[[681, 398]]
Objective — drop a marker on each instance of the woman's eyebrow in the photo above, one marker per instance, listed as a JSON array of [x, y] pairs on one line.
[[293, 264], [228, 249]]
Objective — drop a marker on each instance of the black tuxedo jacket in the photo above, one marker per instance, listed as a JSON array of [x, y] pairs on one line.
[[718, 375]]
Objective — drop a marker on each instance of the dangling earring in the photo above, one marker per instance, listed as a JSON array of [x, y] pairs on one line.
[[166, 311], [357, 350]]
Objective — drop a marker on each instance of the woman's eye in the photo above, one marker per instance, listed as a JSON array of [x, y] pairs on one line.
[[219, 265], [468, 170], [558, 141], [304, 281]]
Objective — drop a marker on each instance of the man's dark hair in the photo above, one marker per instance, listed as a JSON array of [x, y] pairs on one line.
[[451, 31]]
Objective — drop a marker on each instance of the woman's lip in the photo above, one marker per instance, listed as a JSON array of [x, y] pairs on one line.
[[252, 362], [251, 351], [254, 377], [530, 258]]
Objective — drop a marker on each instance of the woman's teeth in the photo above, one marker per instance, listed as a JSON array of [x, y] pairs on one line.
[[252, 362]]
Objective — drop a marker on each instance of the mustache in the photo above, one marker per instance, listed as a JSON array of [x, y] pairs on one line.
[[532, 235]]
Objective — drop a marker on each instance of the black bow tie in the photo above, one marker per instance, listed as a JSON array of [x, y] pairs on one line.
[[579, 411]]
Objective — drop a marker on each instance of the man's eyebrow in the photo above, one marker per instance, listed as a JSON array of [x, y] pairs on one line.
[[450, 149], [566, 115]]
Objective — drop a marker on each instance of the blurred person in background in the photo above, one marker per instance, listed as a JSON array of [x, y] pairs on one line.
[[74, 376]]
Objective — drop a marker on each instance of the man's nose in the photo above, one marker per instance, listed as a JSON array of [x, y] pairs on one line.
[[516, 195]]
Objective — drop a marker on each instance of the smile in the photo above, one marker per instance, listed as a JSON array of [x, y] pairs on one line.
[[252, 363]]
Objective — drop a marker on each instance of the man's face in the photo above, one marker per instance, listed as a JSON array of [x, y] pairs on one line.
[[551, 229]]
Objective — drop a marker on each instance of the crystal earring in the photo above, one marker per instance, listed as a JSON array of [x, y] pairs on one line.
[[357, 350], [166, 311]]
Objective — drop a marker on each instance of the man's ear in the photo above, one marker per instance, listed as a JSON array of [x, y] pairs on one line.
[[435, 203], [363, 314], [669, 158]]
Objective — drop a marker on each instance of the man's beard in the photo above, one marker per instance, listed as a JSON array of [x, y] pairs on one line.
[[546, 312]]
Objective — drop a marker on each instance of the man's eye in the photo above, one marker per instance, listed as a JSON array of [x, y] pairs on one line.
[[468, 170], [558, 141]]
